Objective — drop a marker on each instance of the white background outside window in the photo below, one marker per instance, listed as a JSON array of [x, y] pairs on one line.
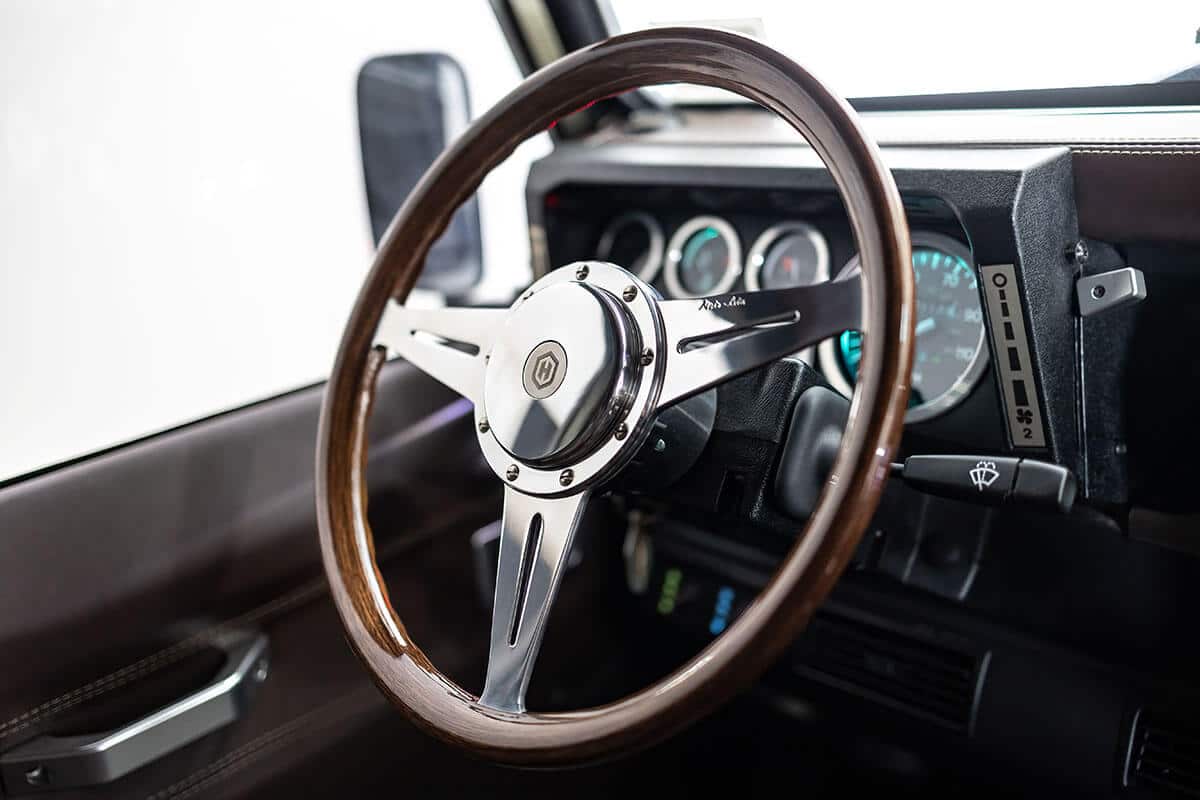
[[183, 225], [872, 48]]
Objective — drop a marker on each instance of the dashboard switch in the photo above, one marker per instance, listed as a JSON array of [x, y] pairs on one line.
[[978, 479], [992, 480], [1108, 290]]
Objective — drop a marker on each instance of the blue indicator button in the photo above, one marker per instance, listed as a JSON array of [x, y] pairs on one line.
[[721, 609]]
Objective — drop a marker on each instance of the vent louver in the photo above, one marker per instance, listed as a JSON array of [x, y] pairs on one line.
[[1164, 755], [893, 667]]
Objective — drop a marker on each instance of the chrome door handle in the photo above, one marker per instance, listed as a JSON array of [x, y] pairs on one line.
[[59, 762]]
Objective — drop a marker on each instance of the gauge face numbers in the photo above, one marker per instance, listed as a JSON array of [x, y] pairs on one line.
[[950, 352], [633, 241], [787, 255], [949, 322], [703, 258]]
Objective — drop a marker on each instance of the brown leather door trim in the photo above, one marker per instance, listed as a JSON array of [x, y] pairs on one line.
[[1138, 193], [339, 711], [457, 519], [110, 563]]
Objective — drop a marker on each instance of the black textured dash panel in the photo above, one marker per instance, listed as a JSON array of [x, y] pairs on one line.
[[1104, 354], [1045, 223]]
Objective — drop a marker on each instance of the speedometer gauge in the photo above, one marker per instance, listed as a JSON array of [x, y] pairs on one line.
[[950, 348]]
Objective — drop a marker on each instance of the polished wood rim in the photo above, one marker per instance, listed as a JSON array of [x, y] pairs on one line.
[[776, 617]]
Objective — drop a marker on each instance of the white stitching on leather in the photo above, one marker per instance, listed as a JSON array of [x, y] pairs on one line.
[[1106, 152], [1147, 140], [157, 660], [177, 651], [249, 753]]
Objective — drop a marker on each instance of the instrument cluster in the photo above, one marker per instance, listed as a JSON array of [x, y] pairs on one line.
[[705, 256]]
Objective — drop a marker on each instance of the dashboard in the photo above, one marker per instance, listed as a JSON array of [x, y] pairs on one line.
[[714, 254], [691, 240], [1055, 628]]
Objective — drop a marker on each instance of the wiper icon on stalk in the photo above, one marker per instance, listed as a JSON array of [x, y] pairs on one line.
[[984, 474]]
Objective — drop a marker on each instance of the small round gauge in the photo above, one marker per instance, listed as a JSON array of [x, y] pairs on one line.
[[704, 257], [633, 241], [950, 348], [790, 254]]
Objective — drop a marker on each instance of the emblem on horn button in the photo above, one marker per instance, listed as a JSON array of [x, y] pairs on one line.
[[545, 369]]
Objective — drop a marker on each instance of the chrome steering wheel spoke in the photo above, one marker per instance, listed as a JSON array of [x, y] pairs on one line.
[[535, 543], [448, 344], [712, 339], [566, 385]]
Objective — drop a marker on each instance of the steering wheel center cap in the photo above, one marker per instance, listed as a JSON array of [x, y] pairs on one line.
[[560, 374]]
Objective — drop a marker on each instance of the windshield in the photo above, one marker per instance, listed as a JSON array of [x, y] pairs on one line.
[[943, 46]]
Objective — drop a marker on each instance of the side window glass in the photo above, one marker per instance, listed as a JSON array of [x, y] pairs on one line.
[[183, 217]]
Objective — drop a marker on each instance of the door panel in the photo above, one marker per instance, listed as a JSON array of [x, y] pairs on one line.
[[117, 571]]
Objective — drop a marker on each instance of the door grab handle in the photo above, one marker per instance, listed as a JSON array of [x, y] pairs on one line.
[[59, 762]]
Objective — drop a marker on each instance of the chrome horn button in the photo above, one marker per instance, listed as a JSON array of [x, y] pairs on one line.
[[561, 374], [545, 370]]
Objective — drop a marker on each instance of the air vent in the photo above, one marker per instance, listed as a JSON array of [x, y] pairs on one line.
[[901, 669], [1164, 755]]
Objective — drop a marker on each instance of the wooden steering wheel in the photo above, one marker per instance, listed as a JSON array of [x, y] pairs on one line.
[[566, 385]]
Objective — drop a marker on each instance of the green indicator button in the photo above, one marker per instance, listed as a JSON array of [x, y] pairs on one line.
[[670, 590]]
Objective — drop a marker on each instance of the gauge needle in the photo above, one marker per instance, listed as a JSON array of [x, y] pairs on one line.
[[926, 325]]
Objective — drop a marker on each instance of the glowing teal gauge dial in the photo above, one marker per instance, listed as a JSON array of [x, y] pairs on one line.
[[949, 326]]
